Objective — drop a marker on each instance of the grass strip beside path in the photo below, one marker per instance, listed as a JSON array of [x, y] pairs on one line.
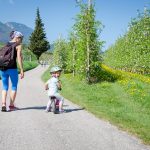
[[125, 103], [28, 65]]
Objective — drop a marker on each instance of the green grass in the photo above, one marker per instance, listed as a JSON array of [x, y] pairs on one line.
[[1, 45], [29, 65], [125, 102]]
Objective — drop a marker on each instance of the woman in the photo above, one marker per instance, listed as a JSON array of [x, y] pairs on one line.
[[12, 72]]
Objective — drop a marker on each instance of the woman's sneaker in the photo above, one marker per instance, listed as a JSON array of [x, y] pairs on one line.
[[13, 108], [4, 109]]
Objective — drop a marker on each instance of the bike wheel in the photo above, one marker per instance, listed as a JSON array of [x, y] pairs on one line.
[[54, 107]]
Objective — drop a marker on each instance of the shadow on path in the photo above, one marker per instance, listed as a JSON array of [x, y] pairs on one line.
[[43, 108], [70, 110], [35, 107]]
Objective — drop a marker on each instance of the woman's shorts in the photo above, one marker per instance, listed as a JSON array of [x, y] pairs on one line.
[[13, 75]]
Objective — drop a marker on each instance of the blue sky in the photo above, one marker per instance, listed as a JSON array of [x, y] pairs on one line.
[[58, 15]]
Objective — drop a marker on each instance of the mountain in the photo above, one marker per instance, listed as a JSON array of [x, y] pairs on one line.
[[6, 28], [4, 33]]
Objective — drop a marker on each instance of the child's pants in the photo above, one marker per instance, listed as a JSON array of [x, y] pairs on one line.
[[59, 97]]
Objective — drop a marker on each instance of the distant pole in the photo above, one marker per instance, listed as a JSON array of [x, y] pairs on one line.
[[59, 36], [89, 3], [30, 58], [60, 57], [88, 44], [73, 54]]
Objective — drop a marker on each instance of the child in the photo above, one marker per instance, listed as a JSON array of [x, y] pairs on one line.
[[53, 85]]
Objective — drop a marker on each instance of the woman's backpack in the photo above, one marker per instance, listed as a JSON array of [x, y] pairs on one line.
[[7, 55]]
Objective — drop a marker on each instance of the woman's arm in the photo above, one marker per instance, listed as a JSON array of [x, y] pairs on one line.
[[20, 60]]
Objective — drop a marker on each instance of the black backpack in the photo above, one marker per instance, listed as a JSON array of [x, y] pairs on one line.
[[7, 56]]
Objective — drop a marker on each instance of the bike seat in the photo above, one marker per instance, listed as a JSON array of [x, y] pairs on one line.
[[52, 97]]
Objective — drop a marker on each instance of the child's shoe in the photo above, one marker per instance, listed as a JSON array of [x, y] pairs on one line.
[[61, 111], [48, 109]]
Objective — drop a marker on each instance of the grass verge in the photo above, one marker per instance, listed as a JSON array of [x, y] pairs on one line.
[[125, 102], [29, 65]]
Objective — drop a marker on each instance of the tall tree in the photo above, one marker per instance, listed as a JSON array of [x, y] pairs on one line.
[[88, 43], [71, 53], [38, 43], [131, 52], [59, 54]]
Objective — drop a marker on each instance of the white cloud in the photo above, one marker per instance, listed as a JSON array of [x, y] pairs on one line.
[[11, 1]]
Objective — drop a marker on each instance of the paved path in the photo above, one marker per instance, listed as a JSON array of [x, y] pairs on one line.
[[33, 129]]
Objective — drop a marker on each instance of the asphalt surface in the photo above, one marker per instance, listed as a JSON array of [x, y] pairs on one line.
[[31, 128]]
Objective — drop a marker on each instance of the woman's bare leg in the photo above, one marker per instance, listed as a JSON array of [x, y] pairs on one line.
[[12, 97], [4, 96]]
